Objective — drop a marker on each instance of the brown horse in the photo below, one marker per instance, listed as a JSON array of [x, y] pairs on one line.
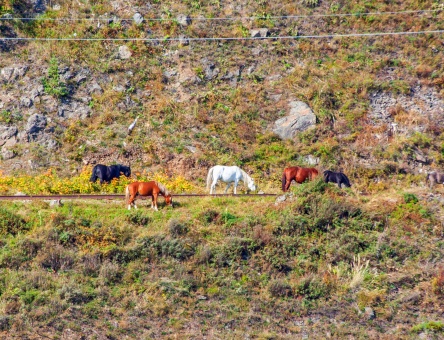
[[152, 189], [298, 174]]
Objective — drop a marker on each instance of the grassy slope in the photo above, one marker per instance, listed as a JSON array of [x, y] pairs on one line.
[[221, 268], [225, 267]]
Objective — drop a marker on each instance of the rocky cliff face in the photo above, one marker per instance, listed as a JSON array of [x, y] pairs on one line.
[[204, 102]]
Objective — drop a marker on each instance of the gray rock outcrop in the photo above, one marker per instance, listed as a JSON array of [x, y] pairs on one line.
[[300, 118]]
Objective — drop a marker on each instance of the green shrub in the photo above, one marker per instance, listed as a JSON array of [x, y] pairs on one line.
[[177, 228], [138, 218], [433, 326], [52, 84], [311, 288], [280, 288], [11, 223]]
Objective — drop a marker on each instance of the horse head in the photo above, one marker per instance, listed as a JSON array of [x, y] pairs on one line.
[[126, 170], [168, 200], [251, 184]]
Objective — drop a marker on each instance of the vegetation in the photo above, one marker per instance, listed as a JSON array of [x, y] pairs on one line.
[[363, 262]]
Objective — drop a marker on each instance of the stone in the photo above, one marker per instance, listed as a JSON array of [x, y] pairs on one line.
[[259, 33], [183, 40], [11, 73], [280, 199], [211, 71], [183, 20], [299, 119], [94, 88], [55, 203], [73, 109], [369, 313], [124, 52], [7, 154], [7, 132], [26, 102], [311, 160], [138, 18], [36, 123]]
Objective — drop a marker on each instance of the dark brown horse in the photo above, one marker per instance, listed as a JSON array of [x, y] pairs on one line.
[[298, 174], [152, 189]]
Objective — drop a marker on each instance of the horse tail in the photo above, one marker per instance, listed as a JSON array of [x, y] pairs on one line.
[[284, 181], [127, 193], [93, 177], [209, 177]]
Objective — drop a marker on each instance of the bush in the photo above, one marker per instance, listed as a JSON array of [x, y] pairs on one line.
[[177, 228], [11, 223], [139, 218], [311, 288], [280, 289]]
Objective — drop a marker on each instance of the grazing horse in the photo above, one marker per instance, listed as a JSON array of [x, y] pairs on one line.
[[228, 174], [107, 173], [336, 177], [152, 189], [434, 178], [298, 174]]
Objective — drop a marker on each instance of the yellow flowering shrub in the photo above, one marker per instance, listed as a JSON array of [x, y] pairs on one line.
[[50, 183]]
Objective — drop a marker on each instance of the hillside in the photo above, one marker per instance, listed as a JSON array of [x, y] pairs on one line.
[[356, 86]]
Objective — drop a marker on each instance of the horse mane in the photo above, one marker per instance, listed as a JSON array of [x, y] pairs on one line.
[[245, 177], [163, 190]]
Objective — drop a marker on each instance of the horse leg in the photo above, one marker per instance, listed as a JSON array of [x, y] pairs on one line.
[[154, 201], [131, 202], [213, 187], [228, 186], [287, 184]]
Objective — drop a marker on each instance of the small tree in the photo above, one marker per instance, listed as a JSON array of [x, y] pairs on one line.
[[52, 83]]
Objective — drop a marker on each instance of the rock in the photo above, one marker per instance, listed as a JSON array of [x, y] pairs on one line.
[[311, 160], [211, 71], [190, 148], [73, 109], [413, 297], [11, 73], [36, 123], [55, 203], [6, 133], [183, 20], [82, 75], [94, 88], [124, 52], [300, 118], [202, 297], [138, 18], [280, 199], [259, 32], [26, 102], [369, 313], [183, 40], [7, 154]]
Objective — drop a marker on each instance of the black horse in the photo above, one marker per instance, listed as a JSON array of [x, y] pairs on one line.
[[107, 173], [336, 177]]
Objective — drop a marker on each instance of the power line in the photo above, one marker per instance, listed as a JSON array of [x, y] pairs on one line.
[[323, 36], [357, 14]]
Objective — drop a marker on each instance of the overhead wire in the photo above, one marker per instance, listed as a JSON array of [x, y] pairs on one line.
[[357, 14], [320, 36]]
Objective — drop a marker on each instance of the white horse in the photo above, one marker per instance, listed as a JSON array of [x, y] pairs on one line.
[[228, 174]]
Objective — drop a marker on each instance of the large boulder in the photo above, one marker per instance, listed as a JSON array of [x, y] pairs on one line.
[[300, 118]]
